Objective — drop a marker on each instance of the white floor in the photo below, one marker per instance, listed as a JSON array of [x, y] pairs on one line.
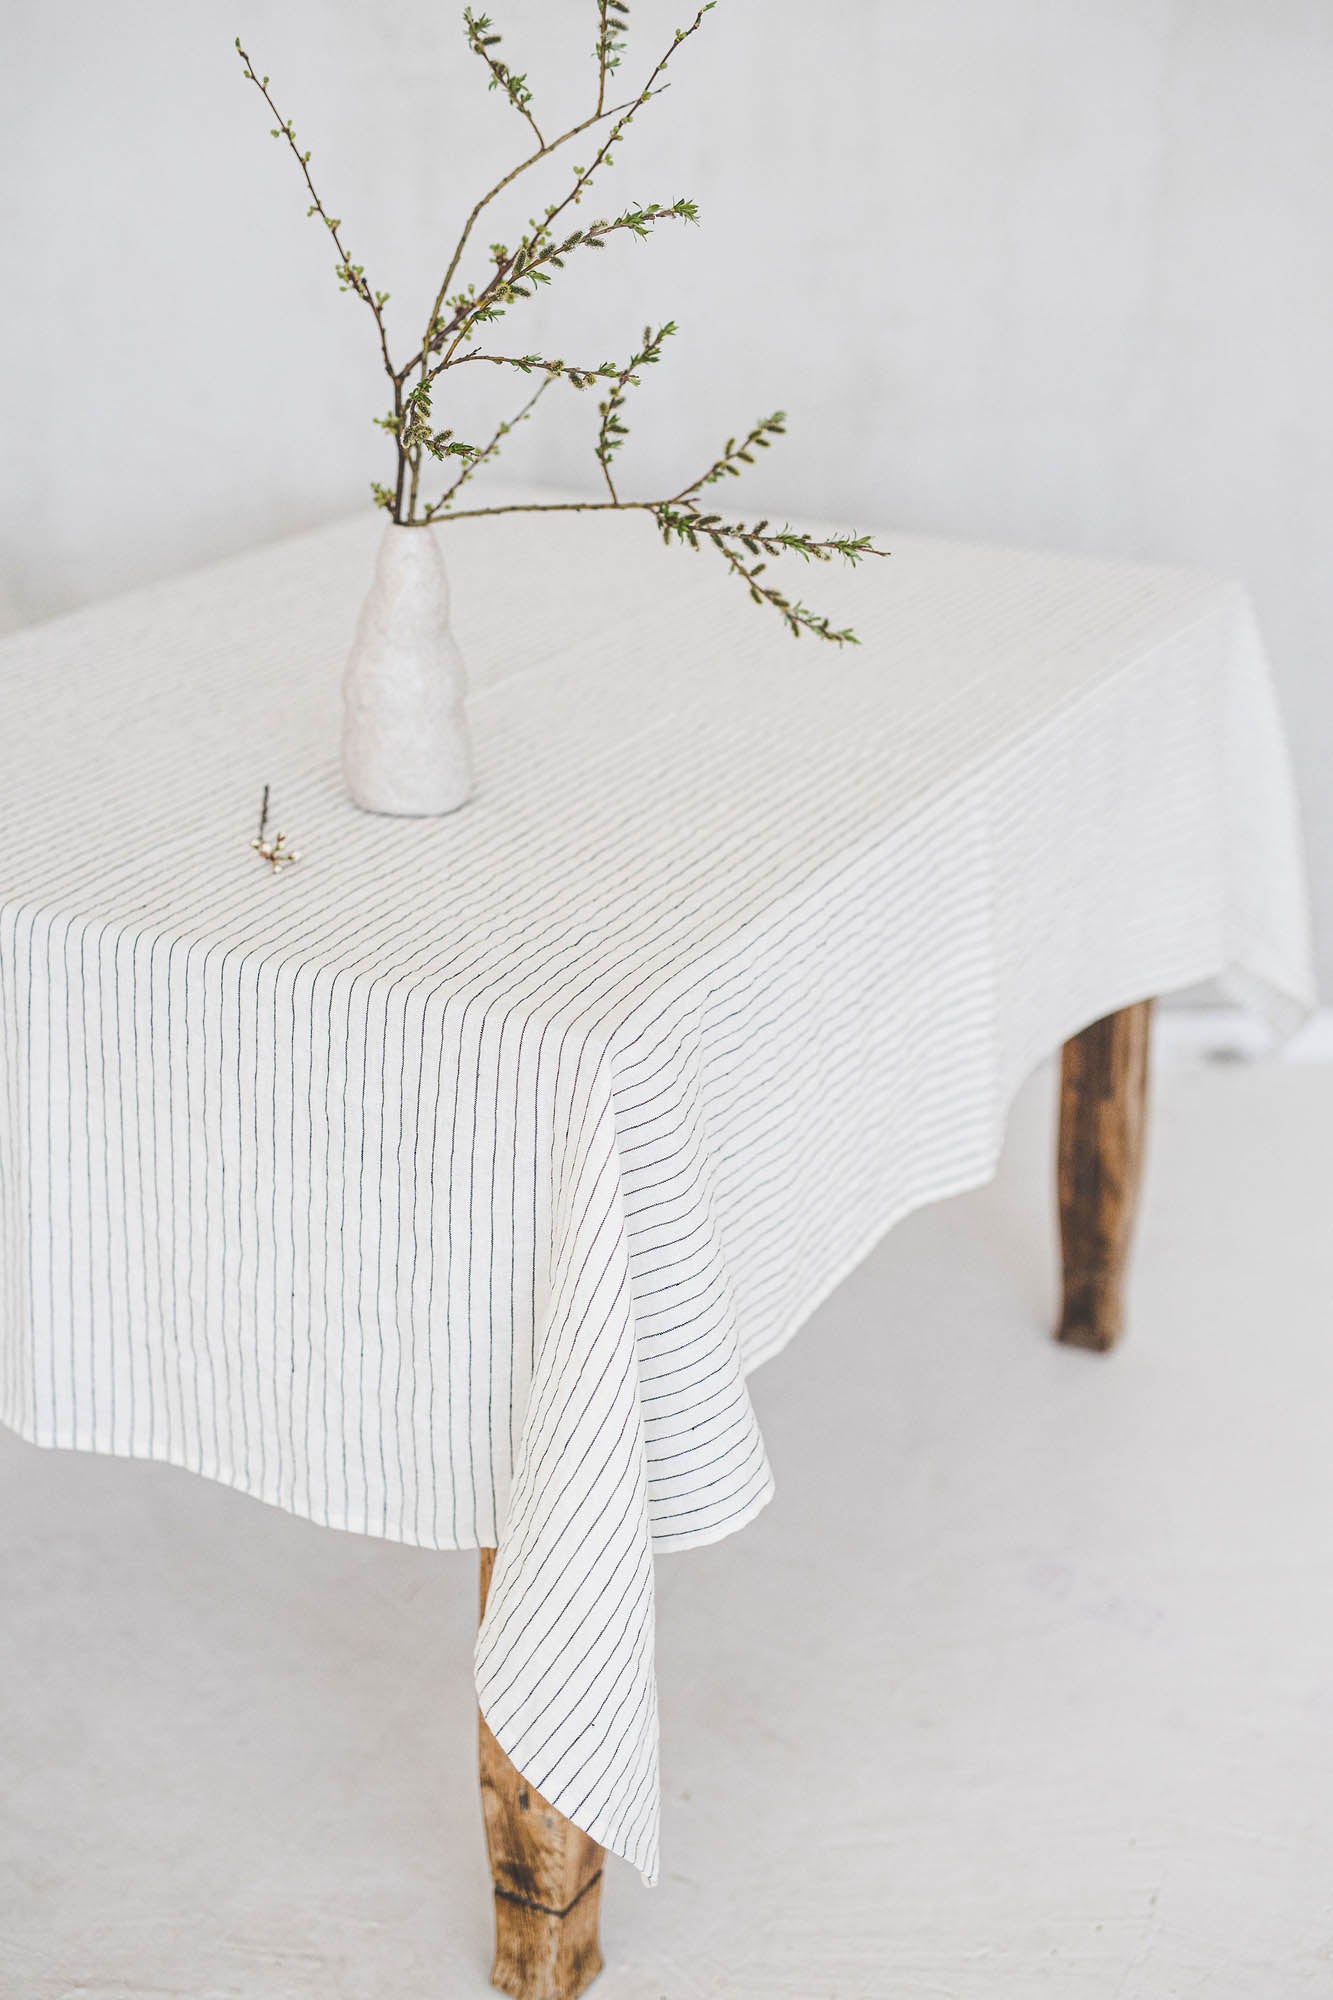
[[1022, 1686]]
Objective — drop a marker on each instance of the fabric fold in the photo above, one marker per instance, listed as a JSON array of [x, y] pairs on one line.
[[450, 1187]]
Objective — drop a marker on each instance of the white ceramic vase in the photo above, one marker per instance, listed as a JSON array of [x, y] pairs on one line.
[[405, 738]]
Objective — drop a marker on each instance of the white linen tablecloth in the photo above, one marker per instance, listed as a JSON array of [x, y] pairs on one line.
[[447, 1186]]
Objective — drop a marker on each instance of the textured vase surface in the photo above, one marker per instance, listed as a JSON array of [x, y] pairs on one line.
[[405, 738]]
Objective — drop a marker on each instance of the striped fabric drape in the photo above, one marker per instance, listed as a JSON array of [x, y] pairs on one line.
[[447, 1186]]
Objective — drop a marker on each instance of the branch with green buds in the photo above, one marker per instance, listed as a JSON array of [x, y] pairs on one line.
[[483, 42], [612, 432], [512, 275], [734, 540], [488, 451], [612, 21]]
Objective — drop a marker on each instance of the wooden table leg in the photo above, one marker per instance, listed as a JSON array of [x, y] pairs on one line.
[[1103, 1111], [547, 1876]]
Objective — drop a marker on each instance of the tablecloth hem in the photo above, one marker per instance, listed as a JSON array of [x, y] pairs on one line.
[[1283, 1006], [1283, 1009], [43, 1439]]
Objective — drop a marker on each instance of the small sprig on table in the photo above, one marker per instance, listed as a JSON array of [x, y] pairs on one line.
[[544, 247], [275, 851]]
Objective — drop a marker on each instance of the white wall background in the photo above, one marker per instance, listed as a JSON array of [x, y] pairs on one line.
[[1055, 271]]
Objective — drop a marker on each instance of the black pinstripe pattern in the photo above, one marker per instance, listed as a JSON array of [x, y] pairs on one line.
[[449, 1187]]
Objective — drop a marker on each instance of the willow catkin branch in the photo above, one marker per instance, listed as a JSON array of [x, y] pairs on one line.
[[536, 251], [745, 546], [352, 274], [482, 40], [611, 432], [484, 202], [730, 539], [488, 451]]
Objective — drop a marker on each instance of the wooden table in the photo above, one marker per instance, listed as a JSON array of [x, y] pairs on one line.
[[448, 1186]]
